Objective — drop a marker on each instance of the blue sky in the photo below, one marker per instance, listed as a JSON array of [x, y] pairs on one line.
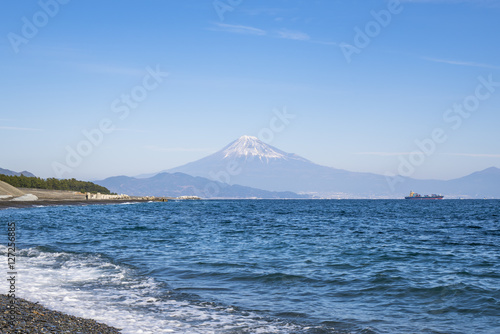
[[232, 66]]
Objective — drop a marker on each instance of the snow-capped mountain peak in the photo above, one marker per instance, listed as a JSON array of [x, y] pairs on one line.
[[251, 147]]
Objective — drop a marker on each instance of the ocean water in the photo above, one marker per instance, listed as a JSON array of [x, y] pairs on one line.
[[266, 266]]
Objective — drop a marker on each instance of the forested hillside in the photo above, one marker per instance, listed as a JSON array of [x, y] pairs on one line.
[[53, 184]]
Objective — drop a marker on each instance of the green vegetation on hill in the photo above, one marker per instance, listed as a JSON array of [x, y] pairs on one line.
[[53, 184]]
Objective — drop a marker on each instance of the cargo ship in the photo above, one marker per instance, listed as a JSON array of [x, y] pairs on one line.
[[418, 196]]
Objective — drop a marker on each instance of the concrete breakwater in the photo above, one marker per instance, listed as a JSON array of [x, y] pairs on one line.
[[99, 196]]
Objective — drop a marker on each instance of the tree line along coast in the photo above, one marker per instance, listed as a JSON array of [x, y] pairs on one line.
[[53, 184]]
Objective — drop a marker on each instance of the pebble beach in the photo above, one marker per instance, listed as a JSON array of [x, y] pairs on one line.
[[28, 317]]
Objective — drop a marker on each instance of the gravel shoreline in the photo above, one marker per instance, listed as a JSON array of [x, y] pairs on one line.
[[63, 197], [31, 317], [28, 204]]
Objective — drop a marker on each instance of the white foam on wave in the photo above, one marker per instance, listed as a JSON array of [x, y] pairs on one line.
[[89, 286]]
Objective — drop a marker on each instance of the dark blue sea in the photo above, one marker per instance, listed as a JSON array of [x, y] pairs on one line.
[[266, 266]]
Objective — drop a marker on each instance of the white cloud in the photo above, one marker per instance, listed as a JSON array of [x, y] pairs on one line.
[[295, 35], [384, 154], [238, 29], [474, 155], [283, 33], [461, 63], [18, 129]]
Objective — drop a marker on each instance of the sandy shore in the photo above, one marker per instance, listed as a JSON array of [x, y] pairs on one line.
[[63, 195], [28, 317]]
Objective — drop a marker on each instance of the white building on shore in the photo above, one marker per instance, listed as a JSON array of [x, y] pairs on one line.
[[90, 196]]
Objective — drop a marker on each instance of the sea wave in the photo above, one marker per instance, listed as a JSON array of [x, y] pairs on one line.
[[91, 286]]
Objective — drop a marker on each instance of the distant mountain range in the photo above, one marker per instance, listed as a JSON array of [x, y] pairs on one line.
[[250, 162], [179, 184], [249, 168], [12, 173], [485, 183]]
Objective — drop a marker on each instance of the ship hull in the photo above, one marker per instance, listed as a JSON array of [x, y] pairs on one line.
[[418, 198]]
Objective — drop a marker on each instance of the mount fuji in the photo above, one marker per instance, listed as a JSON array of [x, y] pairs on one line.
[[250, 162]]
